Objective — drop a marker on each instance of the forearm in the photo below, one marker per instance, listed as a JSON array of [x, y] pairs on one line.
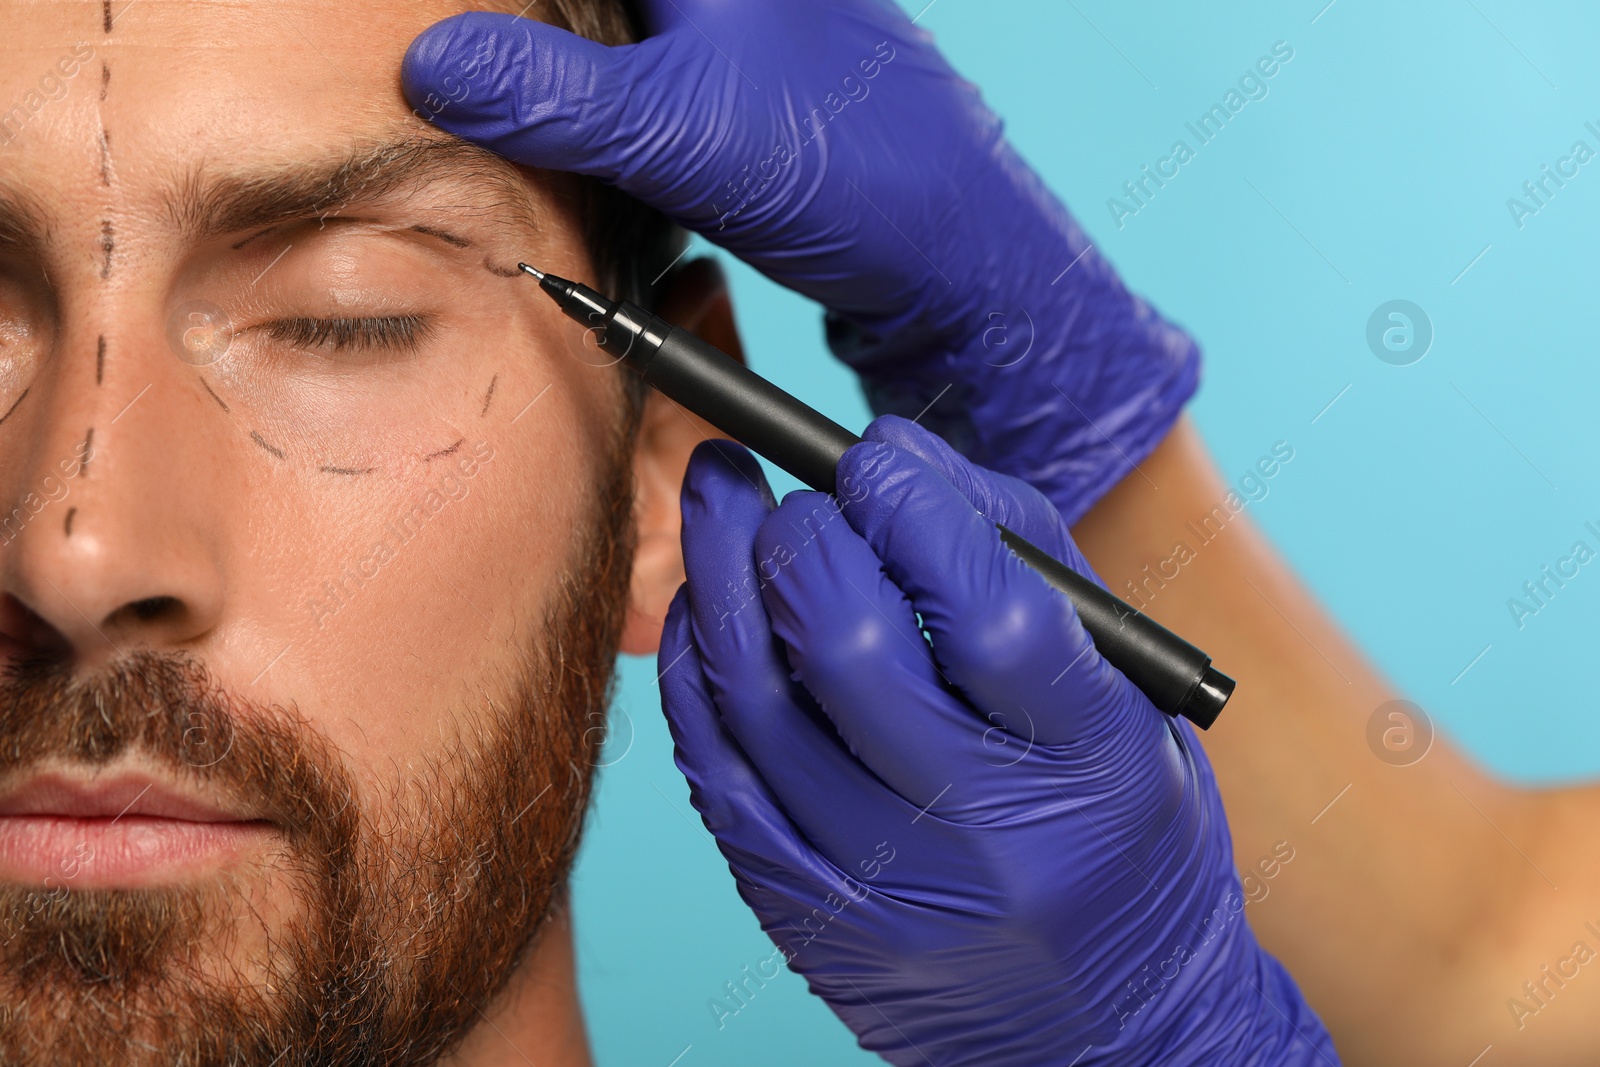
[[1398, 913]]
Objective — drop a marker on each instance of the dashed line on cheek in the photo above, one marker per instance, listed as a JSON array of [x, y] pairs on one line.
[[430, 457], [488, 397], [15, 404], [67, 526], [88, 453], [221, 403], [262, 441]]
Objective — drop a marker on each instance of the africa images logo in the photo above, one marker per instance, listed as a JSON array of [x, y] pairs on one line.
[[1251, 86]]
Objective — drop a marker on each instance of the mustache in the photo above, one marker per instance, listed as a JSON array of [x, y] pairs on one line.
[[167, 708], [108, 945]]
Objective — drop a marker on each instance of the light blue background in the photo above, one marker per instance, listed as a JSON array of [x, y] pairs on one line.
[[1378, 167]]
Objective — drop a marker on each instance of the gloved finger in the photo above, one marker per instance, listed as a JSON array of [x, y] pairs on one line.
[[1010, 641], [1000, 498], [776, 867], [853, 640], [540, 95], [835, 801]]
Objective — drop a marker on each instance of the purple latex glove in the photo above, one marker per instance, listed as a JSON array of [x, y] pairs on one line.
[[993, 850], [831, 146]]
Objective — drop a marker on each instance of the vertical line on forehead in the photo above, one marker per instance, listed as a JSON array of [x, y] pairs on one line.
[[105, 157], [88, 453], [100, 361], [108, 245], [105, 78], [105, 14], [67, 526]]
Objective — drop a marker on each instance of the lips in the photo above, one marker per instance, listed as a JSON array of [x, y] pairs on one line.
[[109, 798], [119, 830]]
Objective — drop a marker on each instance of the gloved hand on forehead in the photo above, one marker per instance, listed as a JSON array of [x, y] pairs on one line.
[[830, 145], [978, 842]]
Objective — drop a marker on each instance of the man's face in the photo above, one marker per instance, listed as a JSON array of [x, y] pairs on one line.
[[313, 540]]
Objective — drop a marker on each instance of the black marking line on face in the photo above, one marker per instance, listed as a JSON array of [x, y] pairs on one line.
[[88, 453], [252, 237], [105, 78], [15, 404], [430, 457], [443, 235], [262, 441], [100, 361], [223, 404], [501, 272], [347, 470], [108, 245], [105, 157], [105, 14], [67, 526], [488, 398]]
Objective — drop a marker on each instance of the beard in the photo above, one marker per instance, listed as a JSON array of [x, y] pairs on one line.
[[404, 925]]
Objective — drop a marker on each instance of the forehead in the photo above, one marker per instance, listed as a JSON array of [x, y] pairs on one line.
[[176, 85]]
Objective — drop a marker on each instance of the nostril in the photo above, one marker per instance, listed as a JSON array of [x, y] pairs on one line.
[[153, 607], [22, 626]]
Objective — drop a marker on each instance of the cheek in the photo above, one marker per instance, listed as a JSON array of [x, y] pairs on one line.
[[408, 596]]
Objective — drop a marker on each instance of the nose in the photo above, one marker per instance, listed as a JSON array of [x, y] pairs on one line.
[[105, 541]]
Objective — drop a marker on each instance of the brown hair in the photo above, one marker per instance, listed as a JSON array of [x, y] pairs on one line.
[[630, 244]]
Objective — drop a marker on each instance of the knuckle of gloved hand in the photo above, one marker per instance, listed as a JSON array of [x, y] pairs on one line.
[[844, 655], [876, 481], [999, 636]]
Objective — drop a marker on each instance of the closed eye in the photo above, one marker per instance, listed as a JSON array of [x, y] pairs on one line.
[[398, 332]]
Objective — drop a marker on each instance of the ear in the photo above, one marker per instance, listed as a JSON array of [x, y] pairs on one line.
[[697, 300]]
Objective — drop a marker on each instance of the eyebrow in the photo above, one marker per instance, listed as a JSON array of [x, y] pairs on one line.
[[22, 224], [205, 205]]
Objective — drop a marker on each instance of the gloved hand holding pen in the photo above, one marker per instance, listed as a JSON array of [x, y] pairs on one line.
[[988, 850], [999, 852], [830, 145]]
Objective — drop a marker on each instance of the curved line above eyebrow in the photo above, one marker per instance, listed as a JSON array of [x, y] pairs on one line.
[[347, 470]]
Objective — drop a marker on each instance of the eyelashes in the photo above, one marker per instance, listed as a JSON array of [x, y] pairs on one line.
[[398, 333]]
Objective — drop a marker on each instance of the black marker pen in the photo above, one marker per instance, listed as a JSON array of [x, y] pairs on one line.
[[1177, 677]]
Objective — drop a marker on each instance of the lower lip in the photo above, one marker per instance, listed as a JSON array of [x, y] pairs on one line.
[[130, 851]]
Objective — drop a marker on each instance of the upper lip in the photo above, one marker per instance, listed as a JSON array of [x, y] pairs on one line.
[[110, 796]]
